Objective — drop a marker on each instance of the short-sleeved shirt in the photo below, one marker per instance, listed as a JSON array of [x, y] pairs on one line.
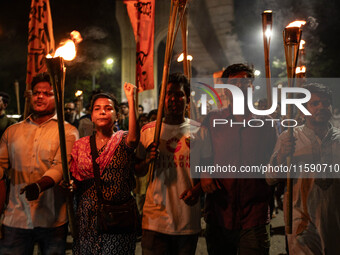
[[163, 211], [30, 151]]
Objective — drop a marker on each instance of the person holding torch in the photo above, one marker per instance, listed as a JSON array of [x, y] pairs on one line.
[[29, 151]]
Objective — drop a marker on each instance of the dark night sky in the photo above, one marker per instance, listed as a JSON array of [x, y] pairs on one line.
[[94, 19]]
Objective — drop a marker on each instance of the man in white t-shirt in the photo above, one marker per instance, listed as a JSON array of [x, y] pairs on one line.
[[170, 225]]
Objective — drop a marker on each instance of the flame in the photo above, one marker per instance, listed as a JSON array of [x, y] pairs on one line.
[[268, 32], [76, 37], [49, 56], [268, 11], [297, 23], [67, 51], [300, 69], [302, 44], [78, 93], [181, 58]]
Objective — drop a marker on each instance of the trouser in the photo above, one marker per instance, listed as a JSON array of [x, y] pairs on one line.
[[252, 241], [21, 241], [155, 243]]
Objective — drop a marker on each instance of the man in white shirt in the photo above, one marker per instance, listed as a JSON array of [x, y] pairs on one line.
[[170, 225], [316, 209], [29, 152]]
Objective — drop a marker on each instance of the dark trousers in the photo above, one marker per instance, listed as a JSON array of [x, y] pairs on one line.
[[252, 241], [155, 243], [51, 241]]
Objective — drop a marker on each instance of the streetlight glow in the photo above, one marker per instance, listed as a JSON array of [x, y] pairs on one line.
[[109, 61]]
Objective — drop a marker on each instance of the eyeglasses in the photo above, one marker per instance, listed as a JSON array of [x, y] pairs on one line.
[[69, 109], [44, 93]]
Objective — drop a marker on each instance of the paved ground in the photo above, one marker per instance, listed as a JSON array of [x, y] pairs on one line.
[[277, 239]]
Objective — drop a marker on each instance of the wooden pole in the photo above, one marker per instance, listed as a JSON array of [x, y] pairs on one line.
[[291, 39], [267, 23], [16, 87], [56, 70], [184, 30], [174, 9]]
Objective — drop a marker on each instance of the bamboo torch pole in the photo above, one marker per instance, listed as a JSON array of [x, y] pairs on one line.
[[291, 39], [16, 87], [184, 30], [56, 70], [174, 10], [267, 24]]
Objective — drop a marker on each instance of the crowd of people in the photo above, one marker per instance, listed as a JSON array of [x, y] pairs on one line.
[[116, 193]]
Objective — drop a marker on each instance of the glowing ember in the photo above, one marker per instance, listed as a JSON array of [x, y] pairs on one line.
[[300, 69], [76, 37], [296, 23], [67, 51], [302, 44], [181, 58]]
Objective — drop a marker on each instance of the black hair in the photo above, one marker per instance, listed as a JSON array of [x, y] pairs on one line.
[[41, 77], [152, 112], [124, 104], [141, 106], [237, 68], [318, 88], [143, 115], [5, 97], [105, 95], [179, 78]]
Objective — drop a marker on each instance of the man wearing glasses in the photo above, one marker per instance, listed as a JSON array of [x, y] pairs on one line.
[[315, 149], [30, 155]]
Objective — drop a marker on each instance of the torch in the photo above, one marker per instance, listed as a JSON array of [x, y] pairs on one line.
[[16, 86], [57, 70], [184, 30], [267, 24], [177, 6], [291, 39]]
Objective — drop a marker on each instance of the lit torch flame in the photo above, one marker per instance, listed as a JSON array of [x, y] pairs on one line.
[[181, 58], [297, 23], [302, 44], [78, 93], [300, 69], [66, 51]]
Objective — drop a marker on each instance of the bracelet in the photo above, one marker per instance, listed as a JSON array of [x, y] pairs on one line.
[[38, 187]]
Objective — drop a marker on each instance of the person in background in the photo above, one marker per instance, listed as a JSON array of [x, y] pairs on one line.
[[29, 152], [5, 122], [124, 116], [152, 115], [141, 182], [70, 114], [140, 109]]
